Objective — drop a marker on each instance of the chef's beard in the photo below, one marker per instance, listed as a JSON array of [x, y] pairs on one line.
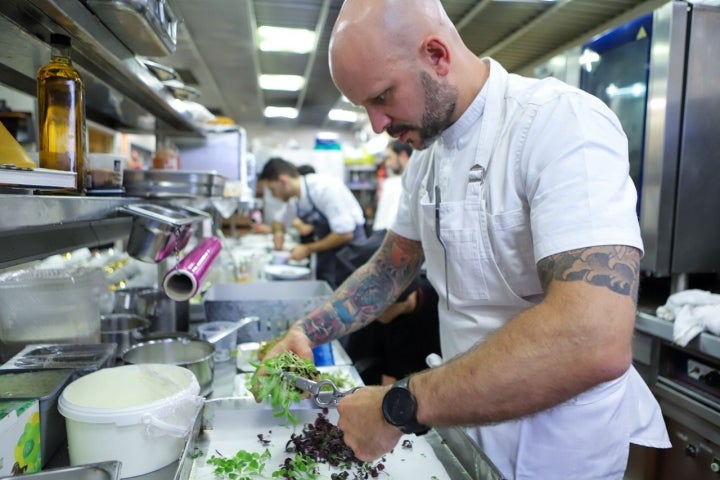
[[440, 101]]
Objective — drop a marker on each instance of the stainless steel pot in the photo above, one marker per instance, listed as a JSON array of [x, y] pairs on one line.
[[165, 314], [123, 329], [195, 355], [125, 299]]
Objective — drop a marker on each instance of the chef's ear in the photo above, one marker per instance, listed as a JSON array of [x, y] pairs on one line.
[[436, 52]]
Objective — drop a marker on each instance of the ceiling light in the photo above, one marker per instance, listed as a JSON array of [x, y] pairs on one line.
[[321, 135], [278, 39], [588, 59], [339, 115], [282, 112], [288, 83]]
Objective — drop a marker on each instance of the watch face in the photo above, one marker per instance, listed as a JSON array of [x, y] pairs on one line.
[[399, 407]]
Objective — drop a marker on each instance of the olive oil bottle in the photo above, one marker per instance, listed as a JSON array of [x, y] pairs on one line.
[[61, 113]]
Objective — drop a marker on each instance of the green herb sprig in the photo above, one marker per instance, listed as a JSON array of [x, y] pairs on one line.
[[274, 388], [243, 466], [341, 379]]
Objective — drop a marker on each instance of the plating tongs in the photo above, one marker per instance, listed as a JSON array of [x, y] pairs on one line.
[[323, 392]]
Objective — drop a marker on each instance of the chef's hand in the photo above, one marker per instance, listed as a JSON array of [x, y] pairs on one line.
[[303, 228], [300, 252], [294, 341], [364, 428], [260, 228], [278, 240]]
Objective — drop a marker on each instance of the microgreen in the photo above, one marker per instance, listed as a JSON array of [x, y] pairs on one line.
[[299, 467], [274, 388], [318, 443], [265, 347], [339, 378], [243, 466]]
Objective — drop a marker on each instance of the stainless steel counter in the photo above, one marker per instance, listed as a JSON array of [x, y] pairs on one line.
[[459, 455], [705, 343]]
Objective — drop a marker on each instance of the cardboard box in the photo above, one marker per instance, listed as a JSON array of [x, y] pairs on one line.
[[45, 386], [20, 437]]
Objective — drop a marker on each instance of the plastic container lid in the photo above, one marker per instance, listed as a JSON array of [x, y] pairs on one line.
[[44, 277], [126, 395], [32, 383]]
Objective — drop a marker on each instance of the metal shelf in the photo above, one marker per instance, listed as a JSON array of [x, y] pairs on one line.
[[120, 90], [705, 343], [36, 226]]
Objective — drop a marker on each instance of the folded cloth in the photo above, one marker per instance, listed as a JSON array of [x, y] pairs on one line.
[[692, 311]]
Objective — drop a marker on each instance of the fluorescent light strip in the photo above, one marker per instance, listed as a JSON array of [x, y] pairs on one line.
[[278, 39], [339, 115], [280, 112], [287, 83], [327, 135]]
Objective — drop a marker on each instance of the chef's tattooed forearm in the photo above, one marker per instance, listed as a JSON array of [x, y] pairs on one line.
[[367, 293], [616, 267]]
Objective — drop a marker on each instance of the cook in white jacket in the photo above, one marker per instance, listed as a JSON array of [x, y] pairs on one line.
[[521, 206]]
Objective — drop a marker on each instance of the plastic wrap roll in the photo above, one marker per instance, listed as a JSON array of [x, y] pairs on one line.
[[183, 281]]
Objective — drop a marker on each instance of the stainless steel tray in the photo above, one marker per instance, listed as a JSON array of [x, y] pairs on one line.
[[147, 27], [93, 471], [231, 424], [173, 183]]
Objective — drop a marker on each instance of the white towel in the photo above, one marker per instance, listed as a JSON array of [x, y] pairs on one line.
[[692, 311]]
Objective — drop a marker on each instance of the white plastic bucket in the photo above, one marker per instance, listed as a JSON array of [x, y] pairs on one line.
[[140, 415]]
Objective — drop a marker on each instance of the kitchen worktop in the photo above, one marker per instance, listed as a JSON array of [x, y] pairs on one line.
[[650, 324]]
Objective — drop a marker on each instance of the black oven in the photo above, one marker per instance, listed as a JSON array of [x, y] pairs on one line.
[[688, 389], [686, 383]]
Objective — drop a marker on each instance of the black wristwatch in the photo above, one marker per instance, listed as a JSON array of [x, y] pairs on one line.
[[399, 408]]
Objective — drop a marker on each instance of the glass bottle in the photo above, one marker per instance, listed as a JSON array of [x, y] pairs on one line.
[[61, 113]]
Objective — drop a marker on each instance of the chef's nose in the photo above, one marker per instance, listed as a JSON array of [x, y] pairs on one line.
[[379, 120]]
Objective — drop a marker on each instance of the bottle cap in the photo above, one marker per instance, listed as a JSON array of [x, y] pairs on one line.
[[59, 39]]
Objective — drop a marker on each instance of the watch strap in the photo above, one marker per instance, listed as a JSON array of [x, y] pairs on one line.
[[412, 426]]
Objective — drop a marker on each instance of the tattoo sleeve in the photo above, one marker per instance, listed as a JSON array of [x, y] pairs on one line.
[[368, 291], [615, 267]]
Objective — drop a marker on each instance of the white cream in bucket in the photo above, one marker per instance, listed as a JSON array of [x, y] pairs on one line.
[[140, 415]]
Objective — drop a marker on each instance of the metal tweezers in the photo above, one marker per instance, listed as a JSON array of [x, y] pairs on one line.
[[323, 392]]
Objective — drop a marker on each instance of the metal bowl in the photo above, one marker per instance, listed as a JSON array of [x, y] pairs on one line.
[[195, 355]]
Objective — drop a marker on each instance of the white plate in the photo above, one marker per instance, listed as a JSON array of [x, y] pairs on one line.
[[287, 272]]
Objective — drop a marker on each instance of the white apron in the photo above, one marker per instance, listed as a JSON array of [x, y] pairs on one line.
[[586, 437]]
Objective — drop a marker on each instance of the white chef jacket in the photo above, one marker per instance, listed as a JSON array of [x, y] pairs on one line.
[[388, 203], [531, 169], [331, 197]]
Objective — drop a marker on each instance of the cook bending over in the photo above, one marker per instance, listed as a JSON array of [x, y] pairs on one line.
[[519, 202]]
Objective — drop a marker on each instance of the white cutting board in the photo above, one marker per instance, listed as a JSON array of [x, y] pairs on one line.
[[229, 430]]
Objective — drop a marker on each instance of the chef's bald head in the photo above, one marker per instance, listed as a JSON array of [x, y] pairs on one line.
[[384, 31], [399, 20]]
